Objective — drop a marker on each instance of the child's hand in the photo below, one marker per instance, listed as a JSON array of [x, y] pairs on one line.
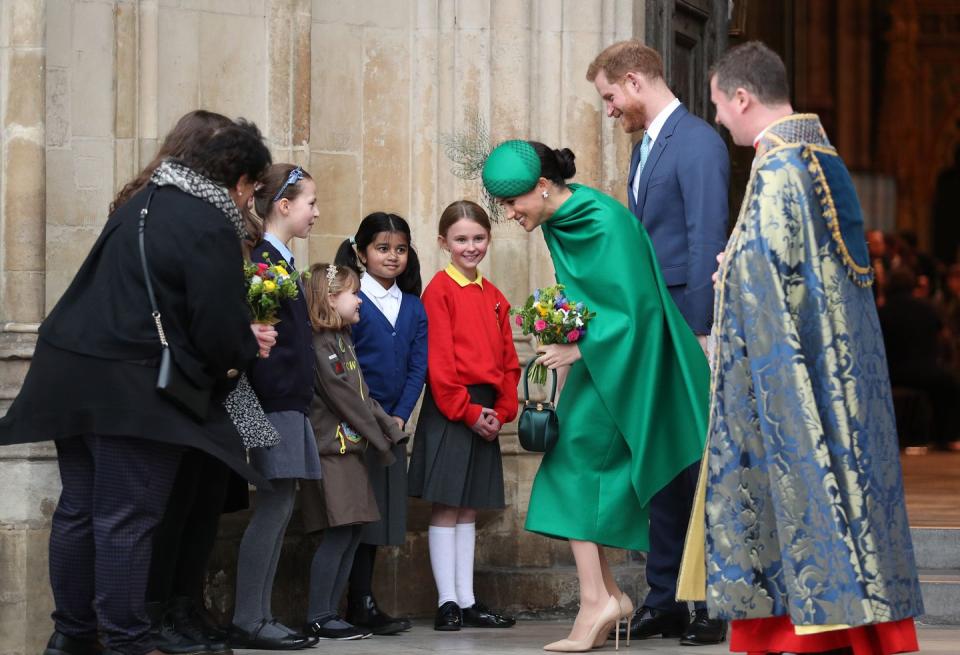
[[266, 337], [399, 421], [487, 425]]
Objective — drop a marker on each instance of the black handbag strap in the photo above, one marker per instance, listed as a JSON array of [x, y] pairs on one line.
[[526, 381], [155, 310]]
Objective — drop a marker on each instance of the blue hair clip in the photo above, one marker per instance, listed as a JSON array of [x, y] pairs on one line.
[[295, 176]]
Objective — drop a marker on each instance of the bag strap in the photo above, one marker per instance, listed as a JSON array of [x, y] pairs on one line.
[[526, 381], [155, 310]]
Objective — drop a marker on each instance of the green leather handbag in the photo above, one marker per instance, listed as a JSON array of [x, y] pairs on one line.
[[538, 428]]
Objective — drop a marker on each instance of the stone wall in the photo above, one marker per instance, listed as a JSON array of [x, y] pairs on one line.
[[357, 91]]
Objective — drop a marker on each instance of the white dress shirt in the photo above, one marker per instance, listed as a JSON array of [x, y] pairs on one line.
[[280, 246], [654, 132], [386, 300]]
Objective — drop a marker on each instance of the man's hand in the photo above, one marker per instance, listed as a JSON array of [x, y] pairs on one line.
[[266, 337], [716, 273], [399, 421], [558, 355]]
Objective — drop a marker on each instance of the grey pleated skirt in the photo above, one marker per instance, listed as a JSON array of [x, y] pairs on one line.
[[296, 455], [389, 485], [450, 463]]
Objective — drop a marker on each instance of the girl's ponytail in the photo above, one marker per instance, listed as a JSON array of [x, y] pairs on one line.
[[347, 256], [409, 281]]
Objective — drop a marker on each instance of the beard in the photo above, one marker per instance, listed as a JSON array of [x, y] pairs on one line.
[[633, 119]]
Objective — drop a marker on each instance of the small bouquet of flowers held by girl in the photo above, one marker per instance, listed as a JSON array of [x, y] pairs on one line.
[[267, 285], [552, 318]]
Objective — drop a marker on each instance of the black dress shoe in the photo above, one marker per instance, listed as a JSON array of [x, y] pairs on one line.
[[197, 614], [183, 618], [61, 644], [449, 617], [240, 638], [703, 630], [167, 639], [649, 622], [323, 630], [364, 613], [480, 616]]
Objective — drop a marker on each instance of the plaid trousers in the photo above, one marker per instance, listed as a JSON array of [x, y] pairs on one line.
[[115, 490]]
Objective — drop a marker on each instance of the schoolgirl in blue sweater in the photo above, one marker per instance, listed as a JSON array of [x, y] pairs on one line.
[[287, 203], [391, 346]]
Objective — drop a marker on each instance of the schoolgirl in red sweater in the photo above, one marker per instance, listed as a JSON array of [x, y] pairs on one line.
[[472, 375]]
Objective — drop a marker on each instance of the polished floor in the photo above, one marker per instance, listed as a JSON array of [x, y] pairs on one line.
[[932, 485], [530, 636]]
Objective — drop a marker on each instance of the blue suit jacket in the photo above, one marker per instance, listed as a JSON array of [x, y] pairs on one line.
[[393, 359], [682, 203]]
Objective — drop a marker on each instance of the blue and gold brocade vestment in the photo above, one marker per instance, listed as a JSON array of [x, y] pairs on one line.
[[804, 511]]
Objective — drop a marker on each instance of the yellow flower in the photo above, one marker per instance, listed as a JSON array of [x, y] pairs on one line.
[[269, 286], [280, 270], [541, 310]]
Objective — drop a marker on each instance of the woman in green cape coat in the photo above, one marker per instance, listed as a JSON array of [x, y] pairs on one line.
[[634, 405]]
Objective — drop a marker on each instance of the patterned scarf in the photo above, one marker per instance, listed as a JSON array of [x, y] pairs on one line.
[[173, 173]]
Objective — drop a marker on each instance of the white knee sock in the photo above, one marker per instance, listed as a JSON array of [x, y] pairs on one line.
[[443, 557], [466, 541]]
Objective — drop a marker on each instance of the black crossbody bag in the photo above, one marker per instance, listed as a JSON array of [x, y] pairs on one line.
[[172, 383]]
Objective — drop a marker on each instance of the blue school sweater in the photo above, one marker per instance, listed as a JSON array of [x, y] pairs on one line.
[[393, 359]]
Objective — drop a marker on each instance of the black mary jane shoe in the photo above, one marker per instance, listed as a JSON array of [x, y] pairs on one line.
[[323, 630], [449, 618], [480, 616], [704, 631], [61, 644], [240, 638], [364, 613]]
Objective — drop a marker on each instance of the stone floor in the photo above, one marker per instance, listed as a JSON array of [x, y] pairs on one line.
[[529, 637]]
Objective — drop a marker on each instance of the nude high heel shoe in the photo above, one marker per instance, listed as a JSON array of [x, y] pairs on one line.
[[608, 617], [626, 615]]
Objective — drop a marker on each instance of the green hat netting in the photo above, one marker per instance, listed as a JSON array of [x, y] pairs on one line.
[[512, 169]]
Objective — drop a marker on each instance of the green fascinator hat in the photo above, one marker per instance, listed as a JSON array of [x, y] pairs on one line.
[[512, 169]]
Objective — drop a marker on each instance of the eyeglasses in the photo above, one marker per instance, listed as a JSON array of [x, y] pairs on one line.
[[295, 176]]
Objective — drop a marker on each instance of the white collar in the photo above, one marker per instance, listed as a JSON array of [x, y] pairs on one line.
[[657, 124], [280, 246], [756, 141], [374, 289]]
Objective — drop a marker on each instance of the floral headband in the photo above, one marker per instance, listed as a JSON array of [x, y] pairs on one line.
[[331, 274]]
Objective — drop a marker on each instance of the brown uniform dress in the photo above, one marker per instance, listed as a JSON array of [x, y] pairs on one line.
[[346, 421]]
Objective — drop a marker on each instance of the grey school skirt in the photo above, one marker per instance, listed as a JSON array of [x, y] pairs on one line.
[[295, 456], [453, 465]]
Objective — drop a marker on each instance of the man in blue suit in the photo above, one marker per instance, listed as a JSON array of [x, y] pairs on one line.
[[677, 188]]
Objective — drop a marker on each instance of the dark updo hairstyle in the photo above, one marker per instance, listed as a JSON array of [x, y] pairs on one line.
[[463, 209], [193, 129], [348, 254], [555, 165], [232, 152], [263, 198]]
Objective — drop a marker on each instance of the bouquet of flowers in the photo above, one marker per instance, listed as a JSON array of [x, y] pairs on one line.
[[267, 285], [552, 318]]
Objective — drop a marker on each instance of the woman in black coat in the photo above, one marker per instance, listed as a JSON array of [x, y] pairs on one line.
[[92, 384]]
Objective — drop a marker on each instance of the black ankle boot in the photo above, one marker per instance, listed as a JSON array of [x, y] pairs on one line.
[[167, 639], [363, 612]]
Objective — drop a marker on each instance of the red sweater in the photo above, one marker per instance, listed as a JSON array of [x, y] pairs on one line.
[[469, 341]]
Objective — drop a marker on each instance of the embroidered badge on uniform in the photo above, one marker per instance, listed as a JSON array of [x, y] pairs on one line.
[[336, 364]]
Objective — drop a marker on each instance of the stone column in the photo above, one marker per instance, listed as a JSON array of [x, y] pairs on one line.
[[28, 480]]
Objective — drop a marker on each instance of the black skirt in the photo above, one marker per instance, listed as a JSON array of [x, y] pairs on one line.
[[453, 465]]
